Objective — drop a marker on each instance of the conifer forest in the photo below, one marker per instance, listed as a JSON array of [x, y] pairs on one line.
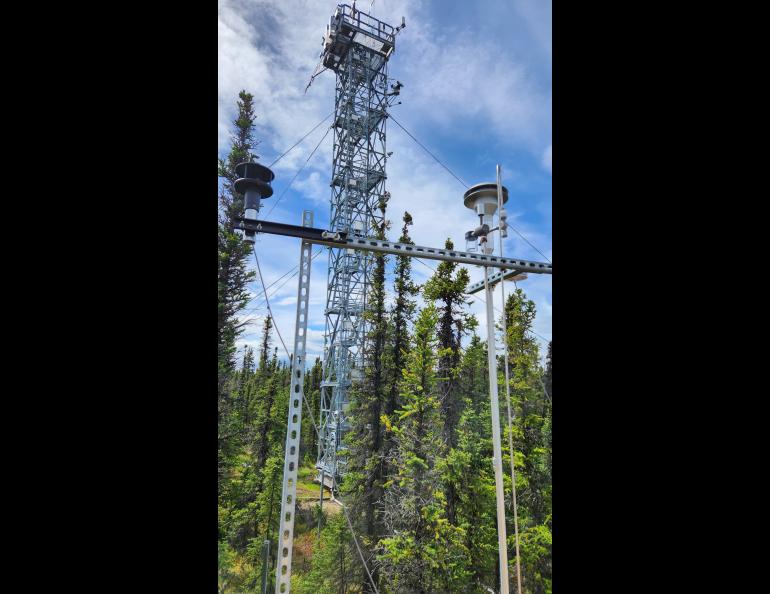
[[419, 487]]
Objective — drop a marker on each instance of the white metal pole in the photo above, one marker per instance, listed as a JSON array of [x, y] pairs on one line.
[[321, 505], [508, 395], [496, 448], [294, 421]]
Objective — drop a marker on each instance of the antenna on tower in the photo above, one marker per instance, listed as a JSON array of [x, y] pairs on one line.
[[318, 70]]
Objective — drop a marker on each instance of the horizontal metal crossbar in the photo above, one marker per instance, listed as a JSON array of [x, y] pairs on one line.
[[341, 240], [494, 279]]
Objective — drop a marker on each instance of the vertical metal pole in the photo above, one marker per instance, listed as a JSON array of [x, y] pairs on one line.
[[497, 453], [265, 565], [294, 423], [321, 504], [508, 394]]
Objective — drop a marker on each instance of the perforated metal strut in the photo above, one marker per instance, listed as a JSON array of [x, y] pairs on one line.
[[372, 244], [294, 424]]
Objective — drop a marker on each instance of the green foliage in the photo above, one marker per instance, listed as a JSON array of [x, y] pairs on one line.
[[447, 287], [309, 440], [225, 562], [420, 487], [425, 553], [536, 546], [232, 281], [400, 317], [334, 567], [532, 445], [364, 477], [233, 252]]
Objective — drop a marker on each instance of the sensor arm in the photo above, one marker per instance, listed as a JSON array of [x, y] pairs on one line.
[[344, 240]]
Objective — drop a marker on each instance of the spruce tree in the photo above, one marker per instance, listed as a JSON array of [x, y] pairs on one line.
[[531, 445], [447, 288], [233, 278], [308, 446], [423, 553], [401, 316], [264, 350], [363, 478], [548, 387], [470, 464], [268, 509], [233, 252], [269, 391], [547, 380], [333, 561], [375, 380]]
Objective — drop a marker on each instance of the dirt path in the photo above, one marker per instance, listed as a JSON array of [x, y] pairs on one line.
[[308, 492], [308, 496]]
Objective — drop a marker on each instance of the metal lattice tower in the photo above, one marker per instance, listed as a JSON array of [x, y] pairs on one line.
[[356, 47]]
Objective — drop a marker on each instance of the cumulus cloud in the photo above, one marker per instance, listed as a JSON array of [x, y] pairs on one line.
[[461, 90]]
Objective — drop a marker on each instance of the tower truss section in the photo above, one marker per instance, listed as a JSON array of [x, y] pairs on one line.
[[356, 47]]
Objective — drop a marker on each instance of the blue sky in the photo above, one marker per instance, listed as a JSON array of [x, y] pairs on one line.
[[477, 92]]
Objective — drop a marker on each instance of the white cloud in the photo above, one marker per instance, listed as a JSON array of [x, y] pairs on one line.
[[548, 159], [314, 187], [457, 80], [537, 16], [456, 85]]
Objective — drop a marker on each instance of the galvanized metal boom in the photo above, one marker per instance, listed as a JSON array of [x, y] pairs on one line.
[[294, 422], [343, 241]]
